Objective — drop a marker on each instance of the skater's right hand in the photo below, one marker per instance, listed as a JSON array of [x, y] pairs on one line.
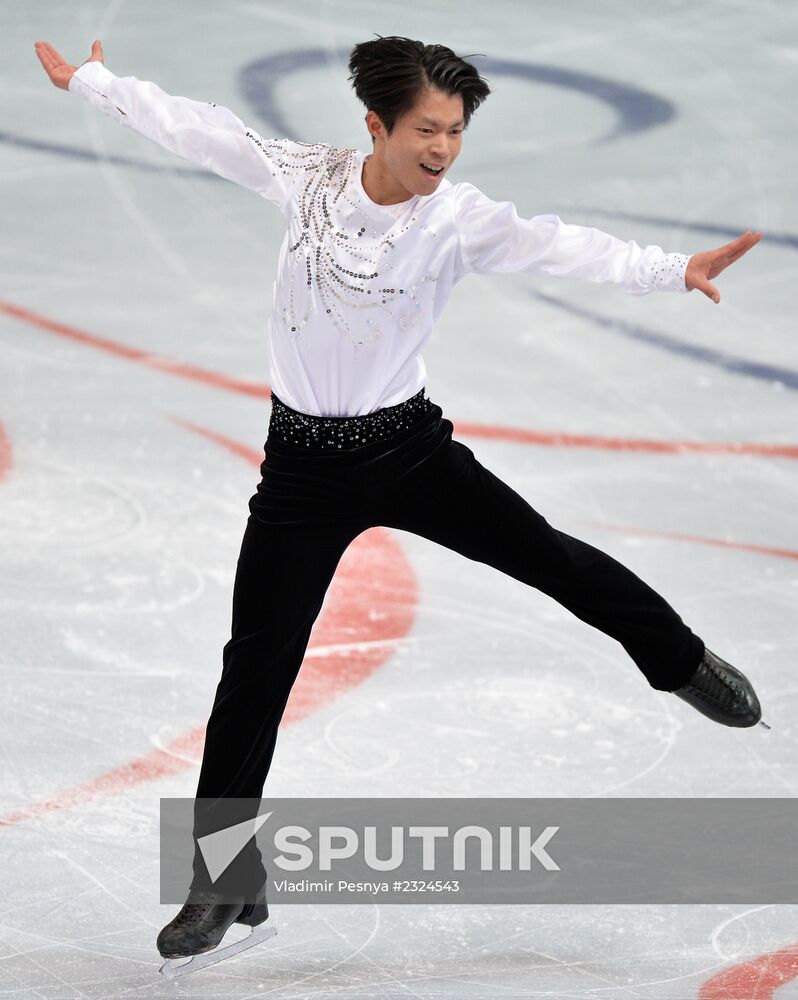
[[59, 71]]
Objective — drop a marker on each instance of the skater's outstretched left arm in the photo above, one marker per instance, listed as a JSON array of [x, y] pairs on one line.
[[494, 239]]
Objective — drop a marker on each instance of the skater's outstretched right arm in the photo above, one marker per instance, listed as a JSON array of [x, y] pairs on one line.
[[202, 132]]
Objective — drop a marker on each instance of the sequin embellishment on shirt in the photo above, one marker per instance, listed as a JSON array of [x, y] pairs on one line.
[[336, 245]]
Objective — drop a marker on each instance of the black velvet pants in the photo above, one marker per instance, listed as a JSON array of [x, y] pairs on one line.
[[312, 503]]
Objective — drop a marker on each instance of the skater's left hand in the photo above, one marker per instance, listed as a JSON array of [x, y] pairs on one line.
[[57, 68], [703, 266]]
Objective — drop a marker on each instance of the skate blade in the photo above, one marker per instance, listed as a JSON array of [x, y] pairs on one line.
[[763, 723], [174, 967]]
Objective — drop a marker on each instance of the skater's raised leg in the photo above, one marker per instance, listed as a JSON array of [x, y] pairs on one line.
[[455, 501]]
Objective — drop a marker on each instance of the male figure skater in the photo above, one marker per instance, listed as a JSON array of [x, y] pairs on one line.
[[374, 245]]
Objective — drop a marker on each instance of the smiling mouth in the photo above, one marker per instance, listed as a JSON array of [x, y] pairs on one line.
[[431, 170]]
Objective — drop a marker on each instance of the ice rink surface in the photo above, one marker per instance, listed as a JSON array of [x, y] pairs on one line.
[[135, 290]]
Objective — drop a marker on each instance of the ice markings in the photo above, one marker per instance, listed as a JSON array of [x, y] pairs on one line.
[[636, 108], [773, 374], [94, 526], [84, 587]]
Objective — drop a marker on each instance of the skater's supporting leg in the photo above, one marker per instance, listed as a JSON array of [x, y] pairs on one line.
[[282, 576], [283, 573], [457, 502]]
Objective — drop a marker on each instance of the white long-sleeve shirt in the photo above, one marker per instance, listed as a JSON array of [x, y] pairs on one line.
[[359, 285]]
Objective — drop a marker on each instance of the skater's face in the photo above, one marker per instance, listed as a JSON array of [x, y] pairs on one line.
[[429, 135]]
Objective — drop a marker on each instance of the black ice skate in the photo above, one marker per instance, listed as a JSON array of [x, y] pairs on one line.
[[722, 693], [199, 928]]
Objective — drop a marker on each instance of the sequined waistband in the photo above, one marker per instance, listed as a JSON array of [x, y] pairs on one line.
[[331, 433]]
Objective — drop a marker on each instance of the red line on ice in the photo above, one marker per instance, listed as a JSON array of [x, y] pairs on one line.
[[757, 979], [551, 439], [374, 573], [136, 355], [766, 550], [556, 440], [254, 455]]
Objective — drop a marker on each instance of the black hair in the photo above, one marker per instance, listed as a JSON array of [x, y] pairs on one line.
[[390, 74]]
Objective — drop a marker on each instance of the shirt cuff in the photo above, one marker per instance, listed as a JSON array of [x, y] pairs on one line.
[[669, 273], [91, 74], [93, 82]]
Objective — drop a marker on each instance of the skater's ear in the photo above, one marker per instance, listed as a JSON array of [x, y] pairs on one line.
[[376, 126]]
